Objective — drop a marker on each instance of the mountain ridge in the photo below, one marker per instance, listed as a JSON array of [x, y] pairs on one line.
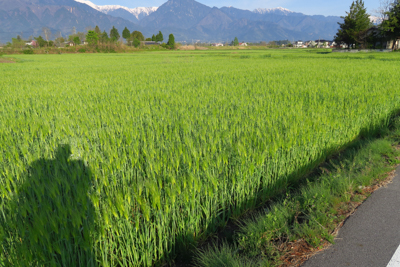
[[137, 12], [27, 18], [186, 19]]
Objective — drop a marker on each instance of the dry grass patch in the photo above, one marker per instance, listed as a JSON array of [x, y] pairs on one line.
[[7, 60], [187, 47]]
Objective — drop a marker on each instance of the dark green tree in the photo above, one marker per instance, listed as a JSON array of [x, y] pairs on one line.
[[153, 38], [171, 41], [138, 35], [391, 26], [92, 38], [126, 34], [355, 24], [148, 39], [18, 42], [77, 40], [40, 41], [136, 42], [104, 37], [114, 34], [159, 37], [97, 30], [235, 42]]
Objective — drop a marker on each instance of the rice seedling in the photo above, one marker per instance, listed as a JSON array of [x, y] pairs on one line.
[[162, 155]]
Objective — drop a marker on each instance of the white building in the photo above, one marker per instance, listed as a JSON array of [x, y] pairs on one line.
[[298, 44], [396, 46]]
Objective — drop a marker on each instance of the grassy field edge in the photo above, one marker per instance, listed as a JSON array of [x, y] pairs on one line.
[[295, 225]]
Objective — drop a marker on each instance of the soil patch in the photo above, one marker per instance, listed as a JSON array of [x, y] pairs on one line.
[[6, 60]]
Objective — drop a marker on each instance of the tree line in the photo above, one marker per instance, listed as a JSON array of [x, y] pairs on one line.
[[93, 37], [357, 30]]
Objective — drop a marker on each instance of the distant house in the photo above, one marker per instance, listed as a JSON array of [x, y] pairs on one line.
[[375, 39], [242, 44], [69, 43], [32, 43], [322, 43], [298, 44], [217, 44], [372, 38]]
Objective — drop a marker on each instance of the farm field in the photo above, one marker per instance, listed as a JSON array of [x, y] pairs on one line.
[[130, 159]]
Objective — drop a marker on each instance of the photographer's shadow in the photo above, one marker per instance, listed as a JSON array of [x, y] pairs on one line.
[[55, 217]]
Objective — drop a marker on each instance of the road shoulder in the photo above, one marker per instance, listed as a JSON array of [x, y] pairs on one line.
[[370, 236]]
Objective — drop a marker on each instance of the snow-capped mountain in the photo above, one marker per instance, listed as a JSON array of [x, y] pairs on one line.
[[138, 12], [375, 20], [186, 19], [272, 10]]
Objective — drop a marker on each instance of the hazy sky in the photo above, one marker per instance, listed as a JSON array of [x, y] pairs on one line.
[[309, 7]]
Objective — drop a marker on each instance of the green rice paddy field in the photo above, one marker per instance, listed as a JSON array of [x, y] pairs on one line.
[[130, 159]]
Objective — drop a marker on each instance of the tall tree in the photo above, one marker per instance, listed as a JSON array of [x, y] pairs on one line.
[[59, 39], [114, 34], [159, 37], [126, 34], [356, 22], [18, 42], [171, 41], [92, 38], [138, 35], [384, 7], [40, 41], [81, 36], [97, 30], [77, 40], [235, 42], [153, 38], [391, 25], [47, 33], [104, 37]]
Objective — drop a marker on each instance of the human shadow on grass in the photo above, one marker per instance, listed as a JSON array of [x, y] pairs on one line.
[[52, 215]]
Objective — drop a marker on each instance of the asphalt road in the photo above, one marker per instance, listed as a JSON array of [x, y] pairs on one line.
[[371, 236]]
